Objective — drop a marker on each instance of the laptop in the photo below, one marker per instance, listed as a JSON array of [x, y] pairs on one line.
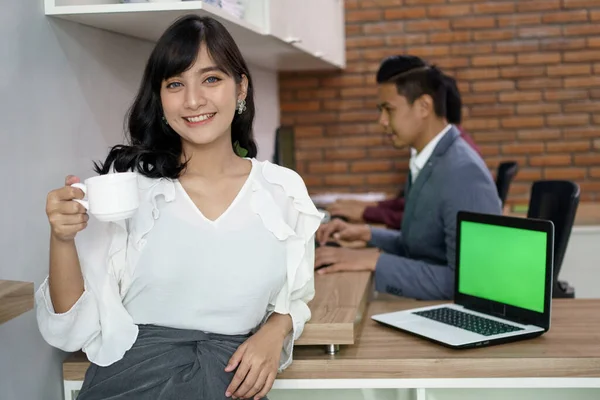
[[503, 286]]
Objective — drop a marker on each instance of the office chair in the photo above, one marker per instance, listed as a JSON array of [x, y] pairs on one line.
[[504, 177], [556, 201]]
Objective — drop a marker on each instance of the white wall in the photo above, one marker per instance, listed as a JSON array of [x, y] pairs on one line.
[[64, 89], [581, 265], [266, 98]]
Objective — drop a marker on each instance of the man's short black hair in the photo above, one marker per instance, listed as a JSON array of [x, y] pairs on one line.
[[414, 78], [395, 65]]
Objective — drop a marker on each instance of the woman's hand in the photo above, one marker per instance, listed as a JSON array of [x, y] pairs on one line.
[[257, 360], [66, 216]]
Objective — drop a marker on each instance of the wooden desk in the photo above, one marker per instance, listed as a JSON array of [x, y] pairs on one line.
[[16, 298], [337, 310], [388, 364], [570, 349], [588, 214]]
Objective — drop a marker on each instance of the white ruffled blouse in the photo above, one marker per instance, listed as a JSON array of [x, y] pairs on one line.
[[99, 324]]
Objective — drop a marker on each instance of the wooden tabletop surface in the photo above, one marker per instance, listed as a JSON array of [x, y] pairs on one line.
[[16, 298], [588, 214], [570, 349], [338, 308]]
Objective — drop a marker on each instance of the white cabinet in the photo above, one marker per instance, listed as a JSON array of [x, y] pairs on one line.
[[283, 35], [333, 37], [315, 27], [308, 25], [280, 22]]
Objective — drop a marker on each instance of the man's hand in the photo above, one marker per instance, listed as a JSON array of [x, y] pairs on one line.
[[340, 230], [343, 259], [353, 210]]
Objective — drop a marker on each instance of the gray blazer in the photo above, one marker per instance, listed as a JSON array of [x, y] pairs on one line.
[[419, 261]]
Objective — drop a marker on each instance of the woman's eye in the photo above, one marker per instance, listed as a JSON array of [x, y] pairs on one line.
[[173, 85], [212, 79]]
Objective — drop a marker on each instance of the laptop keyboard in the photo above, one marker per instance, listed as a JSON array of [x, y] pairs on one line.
[[469, 322]]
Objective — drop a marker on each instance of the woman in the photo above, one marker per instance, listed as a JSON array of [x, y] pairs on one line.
[[201, 294]]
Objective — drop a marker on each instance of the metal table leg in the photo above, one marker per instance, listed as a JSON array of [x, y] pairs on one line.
[[332, 348]]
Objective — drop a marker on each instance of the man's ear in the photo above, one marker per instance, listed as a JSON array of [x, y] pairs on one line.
[[243, 88], [425, 105]]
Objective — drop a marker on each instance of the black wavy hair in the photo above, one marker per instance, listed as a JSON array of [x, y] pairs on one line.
[[414, 77], [154, 148]]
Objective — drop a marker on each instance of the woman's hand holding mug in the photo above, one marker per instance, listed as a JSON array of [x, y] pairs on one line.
[[110, 197], [66, 217]]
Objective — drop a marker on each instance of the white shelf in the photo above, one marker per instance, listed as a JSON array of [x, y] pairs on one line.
[[147, 21]]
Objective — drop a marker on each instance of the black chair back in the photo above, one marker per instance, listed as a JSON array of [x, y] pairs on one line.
[[285, 148], [504, 177], [557, 201]]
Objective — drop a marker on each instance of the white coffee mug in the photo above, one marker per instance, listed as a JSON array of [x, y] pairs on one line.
[[110, 197]]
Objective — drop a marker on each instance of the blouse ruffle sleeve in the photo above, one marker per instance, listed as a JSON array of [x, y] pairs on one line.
[[98, 323], [294, 223]]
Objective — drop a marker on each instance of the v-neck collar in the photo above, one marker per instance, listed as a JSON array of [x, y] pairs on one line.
[[236, 199]]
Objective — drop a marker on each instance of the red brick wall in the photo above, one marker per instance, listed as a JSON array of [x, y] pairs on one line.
[[529, 72]]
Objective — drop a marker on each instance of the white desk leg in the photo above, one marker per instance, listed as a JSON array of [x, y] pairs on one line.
[[72, 389], [421, 394], [405, 394], [369, 394]]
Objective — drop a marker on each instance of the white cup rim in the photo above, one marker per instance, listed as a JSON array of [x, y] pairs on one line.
[[114, 177]]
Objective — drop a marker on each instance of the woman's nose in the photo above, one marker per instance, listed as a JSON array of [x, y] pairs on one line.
[[194, 98]]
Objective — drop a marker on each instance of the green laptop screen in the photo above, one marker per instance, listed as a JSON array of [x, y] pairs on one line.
[[503, 264]]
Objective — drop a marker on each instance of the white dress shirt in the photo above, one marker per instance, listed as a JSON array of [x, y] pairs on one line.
[[418, 160], [119, 271]]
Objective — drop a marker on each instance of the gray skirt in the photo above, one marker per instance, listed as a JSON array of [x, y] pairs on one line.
[[166, 364]]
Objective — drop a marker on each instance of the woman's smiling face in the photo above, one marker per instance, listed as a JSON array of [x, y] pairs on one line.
[[200, 103]]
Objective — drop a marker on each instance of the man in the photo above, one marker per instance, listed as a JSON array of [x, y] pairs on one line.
[[446, 176], [389, 212]]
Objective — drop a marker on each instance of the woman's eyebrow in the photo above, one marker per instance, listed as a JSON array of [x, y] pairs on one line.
[[210, 69], [205, 70]]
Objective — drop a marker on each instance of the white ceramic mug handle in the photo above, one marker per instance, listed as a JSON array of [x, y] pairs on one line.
[[84, 203]]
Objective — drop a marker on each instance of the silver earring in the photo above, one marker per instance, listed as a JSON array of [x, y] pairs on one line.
[[165, 120], [241, 106]]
